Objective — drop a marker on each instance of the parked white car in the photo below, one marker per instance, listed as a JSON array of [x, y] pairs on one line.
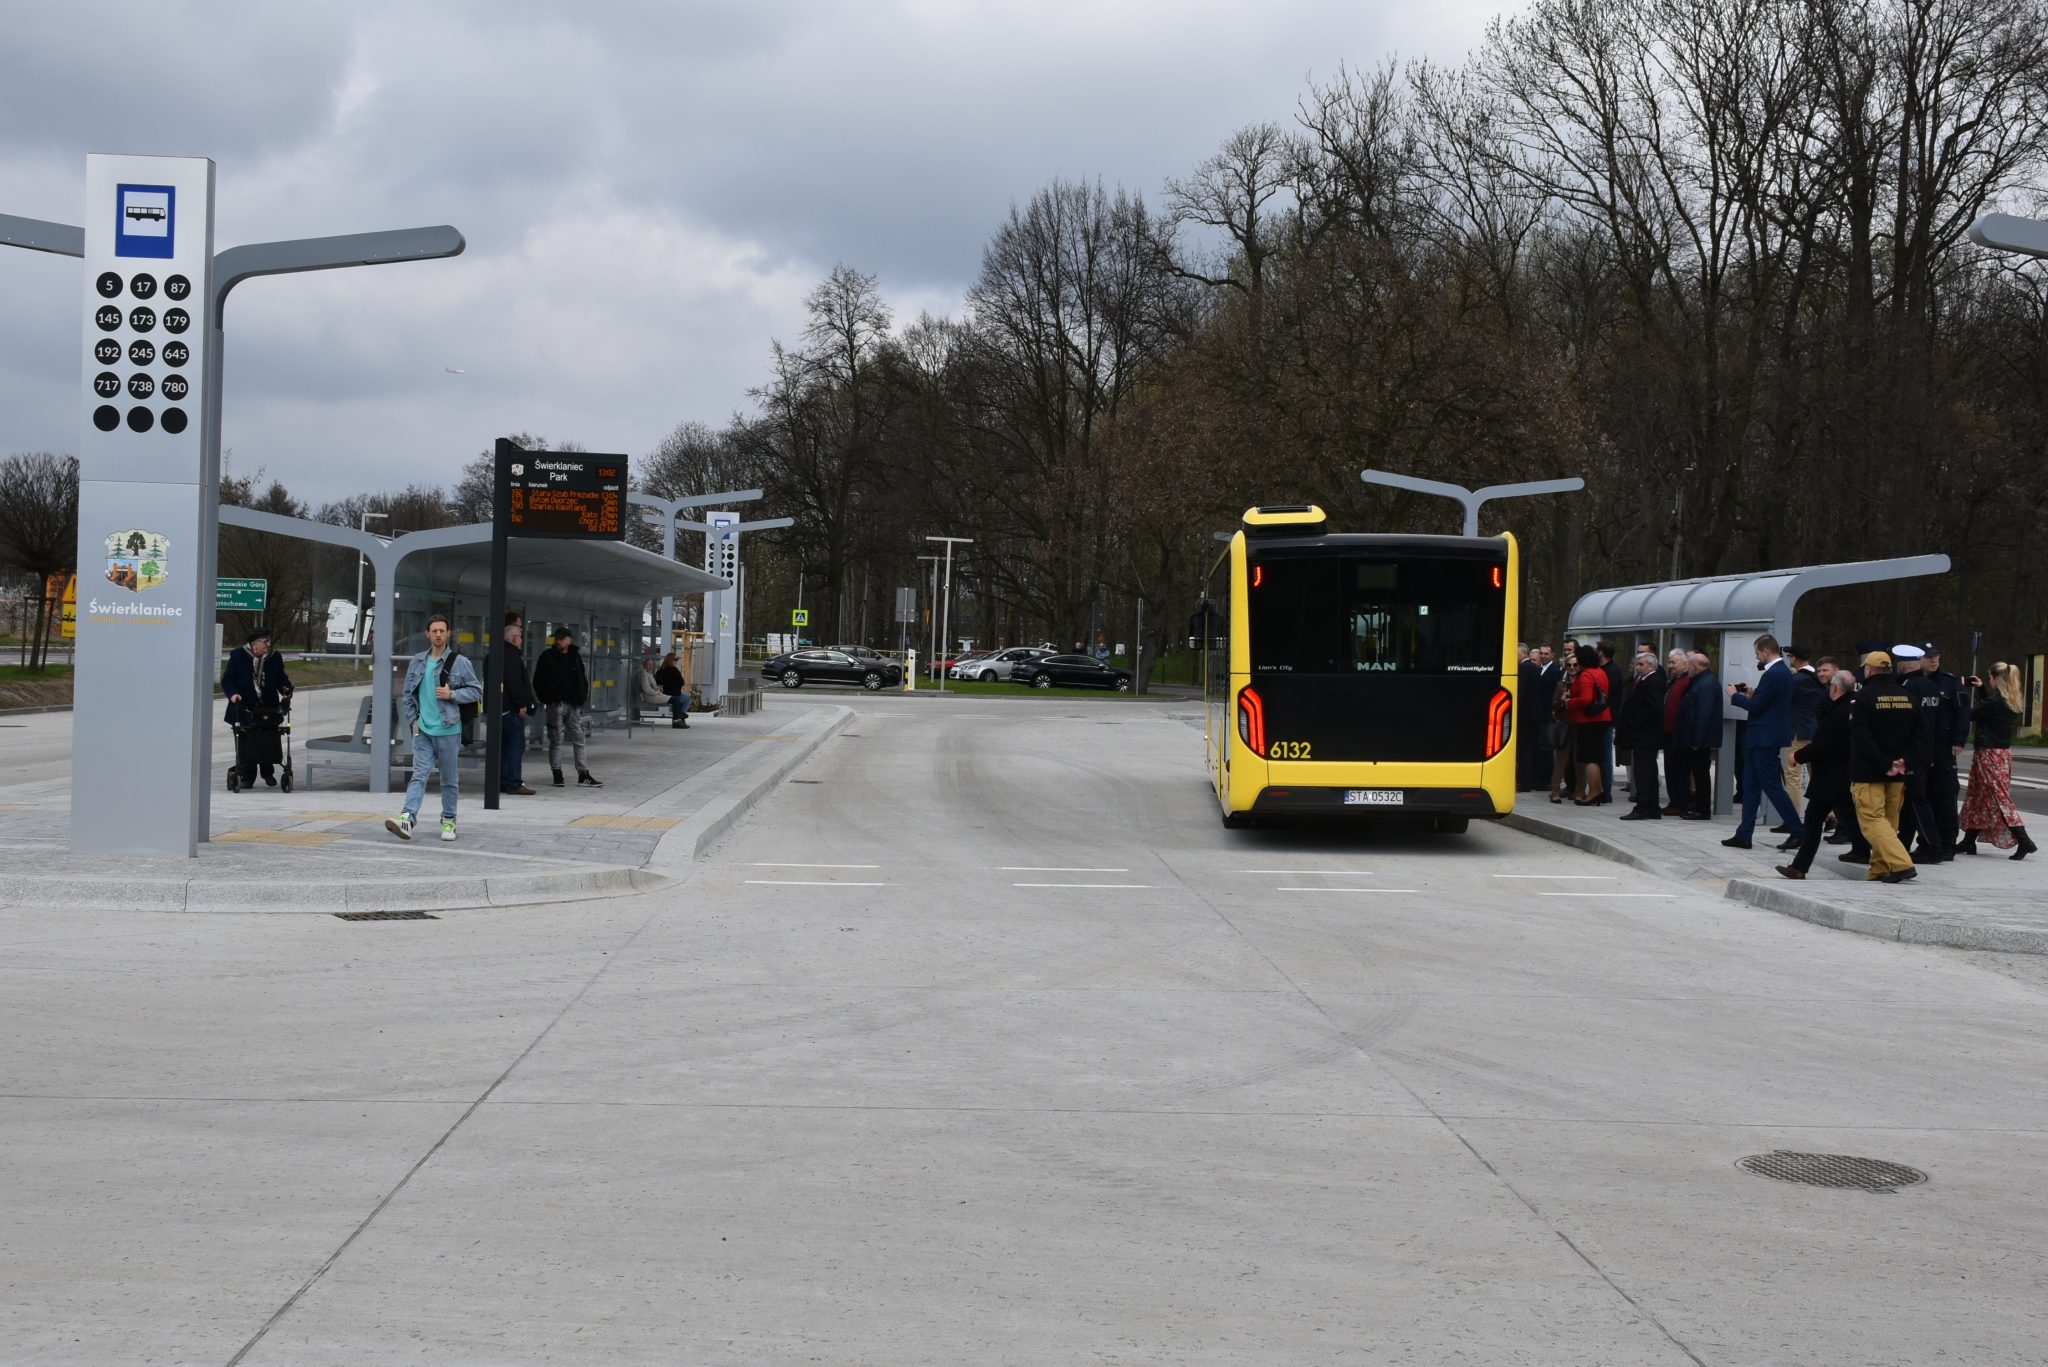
[[990, 668]]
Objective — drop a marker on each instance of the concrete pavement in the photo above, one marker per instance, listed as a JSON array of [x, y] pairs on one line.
[[981, 1041], [1983, 901], [323, 848]]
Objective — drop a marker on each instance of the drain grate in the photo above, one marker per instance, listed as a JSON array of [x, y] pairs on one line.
[[386, 916], [1838, 1170]]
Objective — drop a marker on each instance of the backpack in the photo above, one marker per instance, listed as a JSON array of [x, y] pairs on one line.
[[467, 711]]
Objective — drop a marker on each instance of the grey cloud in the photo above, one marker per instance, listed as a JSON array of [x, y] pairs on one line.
[[648, 188]]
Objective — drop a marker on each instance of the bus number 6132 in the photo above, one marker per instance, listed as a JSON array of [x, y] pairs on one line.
[[1288, 749]]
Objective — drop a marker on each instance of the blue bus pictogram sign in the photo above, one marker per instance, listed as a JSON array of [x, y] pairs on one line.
[[145, 220]]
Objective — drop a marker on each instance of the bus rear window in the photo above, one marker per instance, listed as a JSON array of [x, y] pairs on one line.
[[1335, 614]]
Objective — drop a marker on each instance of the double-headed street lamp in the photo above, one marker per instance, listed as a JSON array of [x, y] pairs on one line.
[[946, 596]]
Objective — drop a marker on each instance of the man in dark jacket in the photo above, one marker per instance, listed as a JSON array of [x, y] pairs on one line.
[[1826, 757], [256, 686], [1698, 735], [1639, 736], [1931, 787], [1770, 732], [1883, 734], [517, 701], [1809, 691], [563, 687], [1532, 756]]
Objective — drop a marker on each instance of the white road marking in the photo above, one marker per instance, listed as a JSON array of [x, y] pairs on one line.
[[809, 883], [1659, 896], [1080, 885], [1311, 873], [1347, 889], [814, 866], [1020, 868], [1563, 877]]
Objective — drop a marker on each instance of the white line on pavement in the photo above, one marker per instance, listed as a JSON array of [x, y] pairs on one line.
[[814, 866], [1080, 885], [1659, 896], [1020, 868], [809, 883], [1562, 877], [1312, 873], [1347, 889]]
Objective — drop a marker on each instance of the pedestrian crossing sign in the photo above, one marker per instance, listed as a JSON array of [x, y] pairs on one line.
[[800, 617]]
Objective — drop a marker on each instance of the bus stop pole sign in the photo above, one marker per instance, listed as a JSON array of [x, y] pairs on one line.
[[570, 494], [146, 507]]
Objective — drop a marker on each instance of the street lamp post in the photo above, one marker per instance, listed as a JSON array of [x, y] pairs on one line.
[[362, 525], [946, 593], [1471, 499]]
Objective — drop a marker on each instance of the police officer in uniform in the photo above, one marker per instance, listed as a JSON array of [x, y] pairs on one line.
[[1931, 787]]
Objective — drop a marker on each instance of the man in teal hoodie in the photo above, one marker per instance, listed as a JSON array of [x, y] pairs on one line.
[[438, 683]]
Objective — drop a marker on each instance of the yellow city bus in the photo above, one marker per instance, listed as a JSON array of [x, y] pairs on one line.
[[1360, 675]]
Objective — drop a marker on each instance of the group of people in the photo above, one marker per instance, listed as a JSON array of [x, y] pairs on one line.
[[440, 682], [664, 686], [1871, 747]]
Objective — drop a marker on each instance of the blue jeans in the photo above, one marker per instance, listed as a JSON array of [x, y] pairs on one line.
[[679, 705], [1761, 778], [430, 753], [512, 751]]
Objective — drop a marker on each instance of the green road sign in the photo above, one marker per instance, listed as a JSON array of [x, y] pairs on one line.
[[800, 617], [240, 595]]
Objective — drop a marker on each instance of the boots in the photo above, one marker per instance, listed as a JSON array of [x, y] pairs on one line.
[[2027, 845], [1968, 844]]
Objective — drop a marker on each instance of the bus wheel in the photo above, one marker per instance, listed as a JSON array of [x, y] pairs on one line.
[[1453, 825]]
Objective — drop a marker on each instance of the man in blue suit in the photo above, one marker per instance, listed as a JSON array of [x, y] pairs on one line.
[[1770, 730]]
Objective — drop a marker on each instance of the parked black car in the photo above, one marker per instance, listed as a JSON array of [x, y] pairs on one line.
[[1071, 671], [798, 667]]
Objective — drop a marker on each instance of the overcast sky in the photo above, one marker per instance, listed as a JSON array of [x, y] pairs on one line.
[[648, 187]]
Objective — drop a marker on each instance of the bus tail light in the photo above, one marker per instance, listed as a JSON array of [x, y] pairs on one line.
[[1500, 722], [1251, 721]]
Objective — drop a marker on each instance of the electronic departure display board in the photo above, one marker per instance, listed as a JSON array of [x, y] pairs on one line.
[[569, 494]]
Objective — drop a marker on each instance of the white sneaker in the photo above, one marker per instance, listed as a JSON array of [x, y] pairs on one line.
[[447, 828], [400, 825]]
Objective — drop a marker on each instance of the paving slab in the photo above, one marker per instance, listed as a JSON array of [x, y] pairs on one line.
[[1986, 901], [322, 848]]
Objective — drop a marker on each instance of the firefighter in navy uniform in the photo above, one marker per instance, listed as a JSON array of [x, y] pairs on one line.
[[1932, 791]]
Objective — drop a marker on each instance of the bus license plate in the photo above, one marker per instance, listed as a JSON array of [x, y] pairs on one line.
[[1372, 797]]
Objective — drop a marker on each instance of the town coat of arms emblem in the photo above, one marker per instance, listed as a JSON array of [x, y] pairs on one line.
[[138, 560]]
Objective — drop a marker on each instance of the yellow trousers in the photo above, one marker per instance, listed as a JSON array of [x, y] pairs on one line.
[[1795, 776], [1877, 811]]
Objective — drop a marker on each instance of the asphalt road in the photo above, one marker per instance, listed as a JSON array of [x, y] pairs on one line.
[[983, 1042]]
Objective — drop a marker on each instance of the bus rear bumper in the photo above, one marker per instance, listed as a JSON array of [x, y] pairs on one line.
[[1296, 800]]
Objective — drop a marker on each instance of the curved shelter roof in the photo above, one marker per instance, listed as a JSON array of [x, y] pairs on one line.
[[572, 575], [1732, 602]]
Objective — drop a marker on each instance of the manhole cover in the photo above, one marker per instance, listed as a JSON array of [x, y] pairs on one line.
[[1837, 1170], [386, 916]]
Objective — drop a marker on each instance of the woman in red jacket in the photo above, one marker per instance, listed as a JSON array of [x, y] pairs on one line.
[[1590, 720]]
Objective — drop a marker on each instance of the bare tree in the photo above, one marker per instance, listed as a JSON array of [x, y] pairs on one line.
[[39, 531]]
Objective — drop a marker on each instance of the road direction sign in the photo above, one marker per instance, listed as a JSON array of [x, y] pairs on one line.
[[240, 595]]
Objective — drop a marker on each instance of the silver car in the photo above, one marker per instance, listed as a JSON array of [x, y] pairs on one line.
[[990, 668]]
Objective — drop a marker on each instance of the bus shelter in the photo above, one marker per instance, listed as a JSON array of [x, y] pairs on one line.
[[599, 589], [1725, 613]]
